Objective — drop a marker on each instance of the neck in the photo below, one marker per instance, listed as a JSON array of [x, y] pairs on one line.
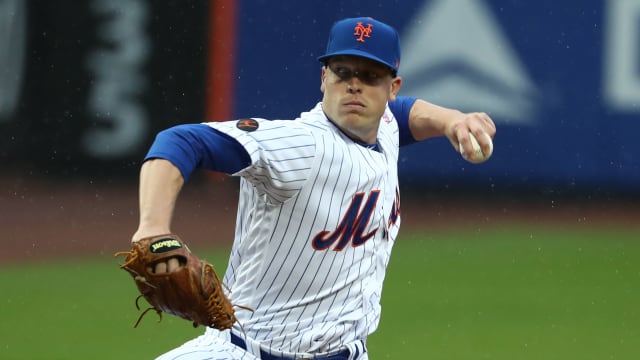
[[369, 137]]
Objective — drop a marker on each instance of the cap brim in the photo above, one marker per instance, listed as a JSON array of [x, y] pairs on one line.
[[359, 53]]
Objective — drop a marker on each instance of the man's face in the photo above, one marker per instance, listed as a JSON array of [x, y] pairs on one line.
[[356, 91]]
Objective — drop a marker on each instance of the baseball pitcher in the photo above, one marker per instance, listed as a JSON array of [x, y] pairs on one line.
[[318, 212]]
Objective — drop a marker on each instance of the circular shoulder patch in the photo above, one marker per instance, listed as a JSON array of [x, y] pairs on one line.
[[247, 125]]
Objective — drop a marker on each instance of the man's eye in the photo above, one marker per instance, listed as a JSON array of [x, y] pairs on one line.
[[343, 72], [370, 75]]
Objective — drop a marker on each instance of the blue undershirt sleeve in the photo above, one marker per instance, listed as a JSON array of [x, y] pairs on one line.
[[401, 108], [193, 146]]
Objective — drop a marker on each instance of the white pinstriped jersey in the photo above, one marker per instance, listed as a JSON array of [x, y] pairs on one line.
[[317, 217]]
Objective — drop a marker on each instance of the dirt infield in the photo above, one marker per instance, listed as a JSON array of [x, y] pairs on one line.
[[42, 220]]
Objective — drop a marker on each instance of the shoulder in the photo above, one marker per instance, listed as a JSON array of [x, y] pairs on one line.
[[269, 140], [260, 129], [401, 107], [401, 110]]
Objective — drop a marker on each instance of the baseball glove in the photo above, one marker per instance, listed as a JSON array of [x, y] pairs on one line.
[[193, 292]]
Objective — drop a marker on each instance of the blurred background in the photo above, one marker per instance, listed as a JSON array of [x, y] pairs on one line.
[[85, 86]]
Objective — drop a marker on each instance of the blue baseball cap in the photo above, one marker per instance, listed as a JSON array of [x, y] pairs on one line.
[[365, 37]]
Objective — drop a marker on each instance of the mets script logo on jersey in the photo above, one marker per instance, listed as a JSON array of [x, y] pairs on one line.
[[361, 32], [164, 245], [354, 222], [247, 125], [395, 210]]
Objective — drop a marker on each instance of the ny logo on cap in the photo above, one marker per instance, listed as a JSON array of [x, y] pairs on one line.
[[361, 32]]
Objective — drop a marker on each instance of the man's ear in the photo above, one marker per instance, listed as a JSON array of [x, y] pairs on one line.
[[396, 84], [322, 78]]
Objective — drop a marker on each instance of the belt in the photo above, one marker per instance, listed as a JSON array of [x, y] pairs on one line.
[[341, 355]]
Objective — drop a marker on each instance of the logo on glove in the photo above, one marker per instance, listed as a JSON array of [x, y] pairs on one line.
[[164, 245]]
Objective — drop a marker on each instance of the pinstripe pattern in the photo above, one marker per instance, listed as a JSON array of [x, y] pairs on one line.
[[303, 178], [207, 347]]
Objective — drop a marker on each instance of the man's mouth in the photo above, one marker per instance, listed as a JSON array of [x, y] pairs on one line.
[[354, 104]]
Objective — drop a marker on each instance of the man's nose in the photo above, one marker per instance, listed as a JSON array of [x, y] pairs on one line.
[[354, 85]]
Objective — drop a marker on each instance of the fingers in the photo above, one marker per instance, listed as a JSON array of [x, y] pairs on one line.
[[479, 124], [169, 266], [483, 129], [161, 268], [173, 265]]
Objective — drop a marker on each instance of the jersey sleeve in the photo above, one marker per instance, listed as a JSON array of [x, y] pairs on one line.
[[282, 153], [193, 146], [401, 108]]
